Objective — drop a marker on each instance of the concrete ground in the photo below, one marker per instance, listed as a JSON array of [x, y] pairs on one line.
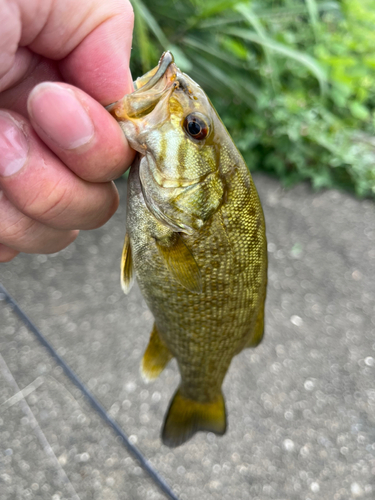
[[301, 406]]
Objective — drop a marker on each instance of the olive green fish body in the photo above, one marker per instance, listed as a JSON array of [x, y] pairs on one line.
[[196, 242]]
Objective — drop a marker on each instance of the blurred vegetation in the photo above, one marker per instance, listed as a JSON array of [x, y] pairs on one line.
[[293, 80]]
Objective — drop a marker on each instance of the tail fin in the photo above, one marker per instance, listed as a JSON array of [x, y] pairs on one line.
[[185, 417]]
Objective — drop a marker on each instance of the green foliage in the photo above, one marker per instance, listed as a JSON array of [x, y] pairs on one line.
[[293, 80]]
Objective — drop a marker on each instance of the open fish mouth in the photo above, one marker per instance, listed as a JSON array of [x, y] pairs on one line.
[[149, 89]]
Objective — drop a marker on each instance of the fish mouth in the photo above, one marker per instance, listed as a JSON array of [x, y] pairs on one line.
[[147, 81], [149, 90]]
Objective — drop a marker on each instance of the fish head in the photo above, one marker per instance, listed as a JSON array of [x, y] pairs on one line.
[[170, 119]]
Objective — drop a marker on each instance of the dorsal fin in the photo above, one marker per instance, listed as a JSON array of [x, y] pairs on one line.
[[180, 262], [127, 268]]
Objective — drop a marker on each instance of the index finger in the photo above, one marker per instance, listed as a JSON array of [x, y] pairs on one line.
[[99, 65], [91, 40]]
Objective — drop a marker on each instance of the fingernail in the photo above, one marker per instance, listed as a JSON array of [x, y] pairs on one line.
[[60, 115], [13, 145]]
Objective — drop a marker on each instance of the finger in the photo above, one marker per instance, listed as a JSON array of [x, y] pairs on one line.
[[92, 39], [100, 63], [22, 65], [22, 234], [20, 68], [22, 78], [10, 29], [41, 187], [80, 131], [7, 254]]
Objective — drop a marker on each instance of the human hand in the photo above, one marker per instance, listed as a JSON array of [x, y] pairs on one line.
[[59, 148]]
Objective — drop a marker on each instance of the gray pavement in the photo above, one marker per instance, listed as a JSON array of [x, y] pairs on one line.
[[301, 406]]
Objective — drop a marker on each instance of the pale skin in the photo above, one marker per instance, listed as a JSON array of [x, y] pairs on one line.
[[60, 149]]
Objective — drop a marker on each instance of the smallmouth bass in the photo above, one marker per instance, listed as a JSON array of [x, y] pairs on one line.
[[195, 242]]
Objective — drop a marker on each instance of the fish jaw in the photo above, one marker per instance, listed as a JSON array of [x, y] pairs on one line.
[[150, 89]]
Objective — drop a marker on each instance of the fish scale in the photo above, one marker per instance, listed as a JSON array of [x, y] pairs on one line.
[[199, 258]]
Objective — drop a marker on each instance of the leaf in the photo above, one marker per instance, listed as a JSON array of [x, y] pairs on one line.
[[255, 22], [312, 7], [359, 111], [142, 10], [218, 21], [141, 35], [180, 58], [211, 7], [211, 48], [309, 62], [235, 47], [222, 78]]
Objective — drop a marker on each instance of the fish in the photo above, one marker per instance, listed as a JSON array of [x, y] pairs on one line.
[[195, 242]]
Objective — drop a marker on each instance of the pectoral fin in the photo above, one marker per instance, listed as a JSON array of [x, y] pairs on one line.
[[127, 268], [185, 417], [180, 262], [155, 358]]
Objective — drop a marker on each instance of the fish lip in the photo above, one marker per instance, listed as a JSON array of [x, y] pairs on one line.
[[165, 61]]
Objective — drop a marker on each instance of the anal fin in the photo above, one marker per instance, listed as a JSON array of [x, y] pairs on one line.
[[258, 330], [127, 268], [180, 262], [185, 417], [155, 358]]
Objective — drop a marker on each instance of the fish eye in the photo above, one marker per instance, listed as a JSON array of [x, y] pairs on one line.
[[196, 126]]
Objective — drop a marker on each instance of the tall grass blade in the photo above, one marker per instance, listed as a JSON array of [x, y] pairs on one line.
[[142, 10], [211, 49], [211, 7], [309, 62], [246, 11], [180, 57], [141, 37], [312, 8], [219, 78]]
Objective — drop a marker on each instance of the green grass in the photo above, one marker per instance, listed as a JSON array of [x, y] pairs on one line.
[[293, 80]]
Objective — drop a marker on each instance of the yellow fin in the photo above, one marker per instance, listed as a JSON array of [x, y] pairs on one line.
[[258, 330], [155, 358], [185, 417], [127, 268], [180, 262]]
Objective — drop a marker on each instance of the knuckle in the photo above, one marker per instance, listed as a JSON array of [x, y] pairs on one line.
[[73, 206], [51, 207], [15, 231]]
